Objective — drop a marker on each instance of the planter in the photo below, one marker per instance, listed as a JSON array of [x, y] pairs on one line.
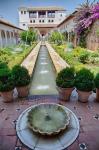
[[23, 91], [7, 96], [83, 96], [97, 94], [64, 93]]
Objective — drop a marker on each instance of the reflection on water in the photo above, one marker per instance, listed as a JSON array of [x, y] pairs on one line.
[[43, 82]]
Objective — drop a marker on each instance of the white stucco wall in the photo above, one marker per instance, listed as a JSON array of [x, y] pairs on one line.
[[5, 41], [24, 19]]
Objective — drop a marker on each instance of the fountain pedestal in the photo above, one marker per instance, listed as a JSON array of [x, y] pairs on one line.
[[38, 142]]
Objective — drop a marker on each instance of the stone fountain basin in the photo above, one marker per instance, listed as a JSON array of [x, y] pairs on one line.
[[48, 119]]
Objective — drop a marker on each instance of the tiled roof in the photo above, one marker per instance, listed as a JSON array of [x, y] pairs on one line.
[[68, 18], [42, 8], [2, 21]]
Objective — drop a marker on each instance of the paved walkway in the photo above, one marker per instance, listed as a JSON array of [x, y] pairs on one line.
[[87, 114], [58, 62], [30, 60]]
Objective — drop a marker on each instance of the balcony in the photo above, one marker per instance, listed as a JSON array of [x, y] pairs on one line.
[[42, 16], [51, 16]]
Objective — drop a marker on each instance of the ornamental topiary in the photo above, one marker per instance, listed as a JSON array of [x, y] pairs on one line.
[[96, 80], [21, 76], [66, 78], [84, 80], [6, 80]]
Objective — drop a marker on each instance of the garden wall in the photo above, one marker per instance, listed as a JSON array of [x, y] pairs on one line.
[[92, 38]]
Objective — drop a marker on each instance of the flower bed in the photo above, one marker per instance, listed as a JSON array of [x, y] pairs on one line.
[[12, 57], [79, 57]]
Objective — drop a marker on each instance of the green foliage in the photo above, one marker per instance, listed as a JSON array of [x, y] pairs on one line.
[[56, 37], [96, 80], [84, 57], [82, 39], [97, 32], [21, 75], [29, 36], [65, 78], [3, 65], [12, 59], [4, 73], [72, 57], [6, 80], [84, 80]]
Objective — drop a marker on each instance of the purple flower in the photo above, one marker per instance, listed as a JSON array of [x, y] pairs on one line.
[[86, 16]]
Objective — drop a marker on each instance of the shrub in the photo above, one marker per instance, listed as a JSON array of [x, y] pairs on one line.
[[4, 74], [96, 80], [84, 80], [56, 37], [29, 36], [21, 75], [3, 65], [84, 57], [65, 78], [6, 80]]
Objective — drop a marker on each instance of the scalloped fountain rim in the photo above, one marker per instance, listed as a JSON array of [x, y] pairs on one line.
[[37, 130]]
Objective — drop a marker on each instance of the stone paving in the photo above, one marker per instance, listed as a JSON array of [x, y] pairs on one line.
[[58, 62], [30, 60], [87, 113]]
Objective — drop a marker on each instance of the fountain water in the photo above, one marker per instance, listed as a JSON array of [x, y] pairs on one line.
[[43, 82]]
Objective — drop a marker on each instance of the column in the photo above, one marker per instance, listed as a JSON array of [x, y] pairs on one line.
[[46, 17], [0, 39], [6, 40], [68, 36], [37, 14]]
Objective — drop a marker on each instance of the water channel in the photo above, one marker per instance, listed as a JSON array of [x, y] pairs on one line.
[[43, 81]]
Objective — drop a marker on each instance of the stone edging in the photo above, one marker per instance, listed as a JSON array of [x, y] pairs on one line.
[[58, 62], [30, 60]]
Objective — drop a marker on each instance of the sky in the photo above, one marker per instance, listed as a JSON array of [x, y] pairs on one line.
[[9, 8]]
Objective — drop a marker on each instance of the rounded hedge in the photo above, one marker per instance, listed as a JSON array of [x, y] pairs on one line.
[[84, 80], [21, 75], [66, 78], [96, 80], [6, 80]]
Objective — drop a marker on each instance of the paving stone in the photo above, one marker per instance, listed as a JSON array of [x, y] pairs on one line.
[[7, 142], [74, 146], [89, 126]]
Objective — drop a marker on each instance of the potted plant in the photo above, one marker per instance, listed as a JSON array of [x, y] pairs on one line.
[[65, 83], [84, 83], [22, 80], [96, 80], [6, 85]]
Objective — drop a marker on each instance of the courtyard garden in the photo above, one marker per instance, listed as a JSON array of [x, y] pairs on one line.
[[79, 56], [15, 54], [49, 90]]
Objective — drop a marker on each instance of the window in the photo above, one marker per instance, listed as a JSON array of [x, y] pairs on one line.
[[30, 21], [23, 24], [51, 14], [32, 14], [43, 21], [39, 20], [61, 15], [24, 12], [33, 21], [21, 12], [48, 20], [52, 20]]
